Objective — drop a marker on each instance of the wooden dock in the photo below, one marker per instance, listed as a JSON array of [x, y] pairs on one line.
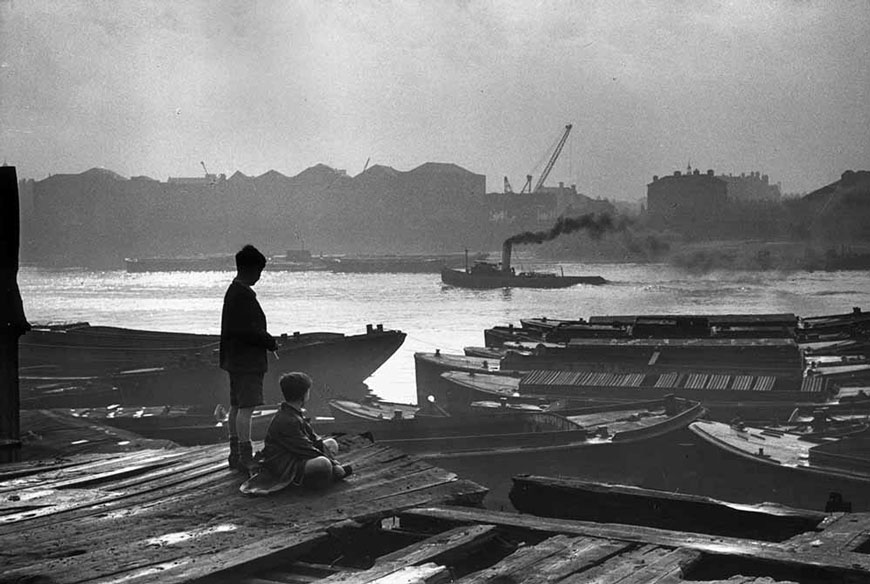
[[175, 514]]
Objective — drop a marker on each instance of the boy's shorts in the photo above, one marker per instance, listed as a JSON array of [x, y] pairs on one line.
[[246, 390]]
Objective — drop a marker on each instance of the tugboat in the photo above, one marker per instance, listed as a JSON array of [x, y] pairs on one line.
[[491, 275]]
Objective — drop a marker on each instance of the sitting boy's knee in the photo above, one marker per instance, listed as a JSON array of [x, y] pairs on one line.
[[331, 446], [318, 472]]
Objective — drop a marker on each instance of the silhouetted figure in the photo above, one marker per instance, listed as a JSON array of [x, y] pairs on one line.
[[244, 342], [836, 504]]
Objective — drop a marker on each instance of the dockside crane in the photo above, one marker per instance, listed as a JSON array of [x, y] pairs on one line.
[[508, 189], [546, 172], [527, 187]]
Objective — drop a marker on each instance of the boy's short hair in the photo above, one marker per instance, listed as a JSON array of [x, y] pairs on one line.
[[250, 257], [294, 385]]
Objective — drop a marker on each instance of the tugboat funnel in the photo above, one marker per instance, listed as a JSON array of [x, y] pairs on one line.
[[506, 257]]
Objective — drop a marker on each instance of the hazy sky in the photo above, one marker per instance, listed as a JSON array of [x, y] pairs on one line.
[[148, 87]]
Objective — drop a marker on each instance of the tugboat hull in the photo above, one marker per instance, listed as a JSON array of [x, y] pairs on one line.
[[464, 279]]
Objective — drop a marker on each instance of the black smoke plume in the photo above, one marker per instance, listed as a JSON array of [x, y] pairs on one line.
[[595, 226]]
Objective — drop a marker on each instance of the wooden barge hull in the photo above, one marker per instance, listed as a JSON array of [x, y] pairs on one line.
[[428, 370], [774, 467], [634, 460], [187, 426], [157, 368], [569, 498], [775, 356], [348, 411], [490, 448]]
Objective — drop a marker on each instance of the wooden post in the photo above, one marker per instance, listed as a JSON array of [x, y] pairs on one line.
[[12, 321]]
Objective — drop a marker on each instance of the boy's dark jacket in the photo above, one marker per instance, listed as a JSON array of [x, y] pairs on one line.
[[289, 442], [244, 340]]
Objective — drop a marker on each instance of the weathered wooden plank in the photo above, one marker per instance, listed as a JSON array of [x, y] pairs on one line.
[[438, 548], [847, 532], [102, 498], [444, 547], [136, 516], [116, 509], [281, 546], [167, 510], [511, 568], [211, 462], [668, 566], [135, 555], [52, 478], [405, 477], [17, 470], [845, 561], [581, 555], [425, 574], [142, 559], [212, 563], [170, 522], [617, 568]]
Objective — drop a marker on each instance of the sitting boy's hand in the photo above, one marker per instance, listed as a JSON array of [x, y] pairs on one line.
[[330, 446]]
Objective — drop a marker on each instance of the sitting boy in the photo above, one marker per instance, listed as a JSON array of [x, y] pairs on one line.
[[292, 451]]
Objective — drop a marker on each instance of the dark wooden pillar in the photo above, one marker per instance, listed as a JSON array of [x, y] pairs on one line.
[[12, 321]]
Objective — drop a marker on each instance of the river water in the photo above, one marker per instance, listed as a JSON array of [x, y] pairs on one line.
[[433, 316]]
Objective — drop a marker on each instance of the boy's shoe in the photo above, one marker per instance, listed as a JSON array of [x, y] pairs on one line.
[[246, 462], [348, 470]]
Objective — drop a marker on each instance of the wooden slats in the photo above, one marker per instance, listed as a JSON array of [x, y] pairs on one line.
[[622, 567], [579, 555], [719, 382], [650, 565], [764, 383], [813, 384], [461, 540], [854, 564], [743, 382], [542, 380], [520, 563], [696, 380], [667, 380]]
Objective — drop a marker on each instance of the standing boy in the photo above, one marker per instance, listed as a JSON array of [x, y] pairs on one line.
[[244, 342]]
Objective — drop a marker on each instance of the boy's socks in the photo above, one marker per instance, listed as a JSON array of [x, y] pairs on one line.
[[233, 458]]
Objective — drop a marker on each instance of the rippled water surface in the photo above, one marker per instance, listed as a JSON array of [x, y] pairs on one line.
[[433, 316]]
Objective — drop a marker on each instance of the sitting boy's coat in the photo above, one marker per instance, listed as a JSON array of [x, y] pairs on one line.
[[290, 442]]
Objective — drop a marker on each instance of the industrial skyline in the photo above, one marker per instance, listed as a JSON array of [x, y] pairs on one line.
[[151, 88]]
